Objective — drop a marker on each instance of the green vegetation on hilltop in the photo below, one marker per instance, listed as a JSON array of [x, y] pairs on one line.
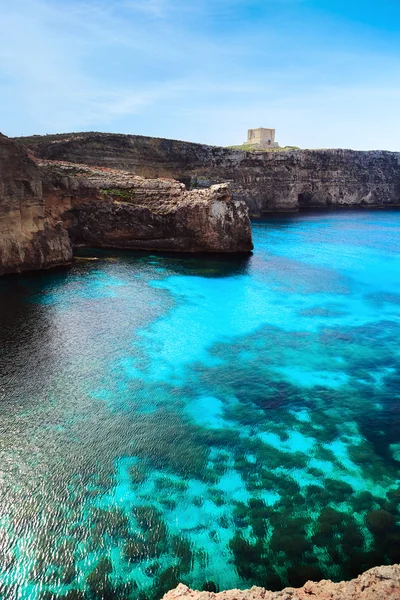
[[250, 148], [51, 137], [55, 137], [125, 194]]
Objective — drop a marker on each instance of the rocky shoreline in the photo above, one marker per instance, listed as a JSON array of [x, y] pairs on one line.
[[49, 207], [379, 583], [109, 208]]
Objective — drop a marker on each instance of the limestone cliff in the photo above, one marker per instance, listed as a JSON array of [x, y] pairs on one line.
[[46, 208], [380, 583], [28, 240], [110, 208], [267, 181]]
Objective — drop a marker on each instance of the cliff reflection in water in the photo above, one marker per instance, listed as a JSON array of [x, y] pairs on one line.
[[221, 423]]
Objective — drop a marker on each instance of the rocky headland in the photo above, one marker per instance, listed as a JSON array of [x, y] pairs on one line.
[[110, 208], [49, 207], [266, 181], [379, 583]]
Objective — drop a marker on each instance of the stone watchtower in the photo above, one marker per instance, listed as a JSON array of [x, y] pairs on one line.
[[261, 138]]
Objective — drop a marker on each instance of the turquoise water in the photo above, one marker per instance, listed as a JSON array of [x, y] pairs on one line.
[[217, 421]]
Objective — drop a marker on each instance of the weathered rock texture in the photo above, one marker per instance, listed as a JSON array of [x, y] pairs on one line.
[[380, 583], [266, 181], [28, 239], [48, 207], [109, 208]]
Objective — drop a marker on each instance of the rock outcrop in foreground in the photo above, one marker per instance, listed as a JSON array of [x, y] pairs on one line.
[[28, 240], [114, 209], [47, 208], [380, 583], [266, 181]]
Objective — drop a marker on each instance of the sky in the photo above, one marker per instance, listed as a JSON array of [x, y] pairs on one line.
[[323, 73]]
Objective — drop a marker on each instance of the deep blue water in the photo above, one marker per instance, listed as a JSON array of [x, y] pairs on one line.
[[218, 421]]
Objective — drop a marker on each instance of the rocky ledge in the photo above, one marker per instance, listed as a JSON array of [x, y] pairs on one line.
[[111, 208], [379, 583], [48, 207]]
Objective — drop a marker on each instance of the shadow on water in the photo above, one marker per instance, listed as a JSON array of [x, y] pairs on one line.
[[176, 263], [29, 349], [336, 217]]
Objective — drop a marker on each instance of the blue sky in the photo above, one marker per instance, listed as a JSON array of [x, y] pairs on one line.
[[324, 73]]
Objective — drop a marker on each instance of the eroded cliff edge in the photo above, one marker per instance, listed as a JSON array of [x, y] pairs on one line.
[[47, 208], [111, 208], [266, 181], [28, 239], [379, 583]]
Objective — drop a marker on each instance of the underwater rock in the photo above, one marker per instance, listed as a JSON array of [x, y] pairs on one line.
[[183, 551], [293, 546], [168, 579], [209, 586], [330, 517], [380, 521], [110, 522], [71, 595], [376, 584], [247, 556], [136, 550], [137, 474], [98, 581]]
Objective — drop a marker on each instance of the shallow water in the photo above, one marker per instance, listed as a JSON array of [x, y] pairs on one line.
[[217, 421]]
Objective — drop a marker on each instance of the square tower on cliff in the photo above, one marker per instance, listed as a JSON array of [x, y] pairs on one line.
[[262, 138]]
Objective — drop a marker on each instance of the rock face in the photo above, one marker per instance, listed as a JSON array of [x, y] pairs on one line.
[[109, 208], [47, 207], [28, 239], [380, 583], [266, 181]]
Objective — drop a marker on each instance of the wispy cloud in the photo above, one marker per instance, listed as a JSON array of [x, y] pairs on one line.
[[52, 68], [203, 71], [155, 8]]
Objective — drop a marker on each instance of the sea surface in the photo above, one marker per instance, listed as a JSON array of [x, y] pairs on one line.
[[218, 421]]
